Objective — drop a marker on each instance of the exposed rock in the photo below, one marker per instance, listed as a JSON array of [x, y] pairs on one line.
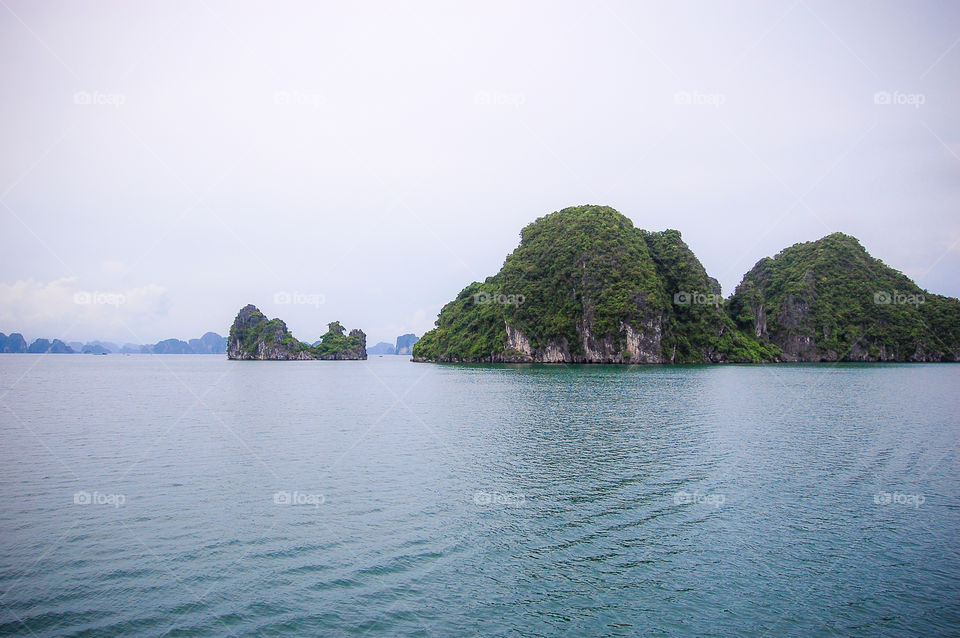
[[254, 337], [405, 344]]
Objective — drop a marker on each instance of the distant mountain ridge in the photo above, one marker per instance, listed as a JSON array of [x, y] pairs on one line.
[[209, 343]]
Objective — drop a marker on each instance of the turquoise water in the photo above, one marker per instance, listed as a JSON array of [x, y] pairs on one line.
[[195, 496]]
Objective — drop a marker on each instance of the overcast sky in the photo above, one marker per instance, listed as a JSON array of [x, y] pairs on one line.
[[163, 164]]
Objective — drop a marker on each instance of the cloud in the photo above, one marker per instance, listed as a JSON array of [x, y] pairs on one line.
[[64, 308]]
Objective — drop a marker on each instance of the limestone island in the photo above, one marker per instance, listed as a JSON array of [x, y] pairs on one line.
[[586, 286], [254, 337]]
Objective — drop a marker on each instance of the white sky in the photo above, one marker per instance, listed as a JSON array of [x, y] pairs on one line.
[[378, 157]]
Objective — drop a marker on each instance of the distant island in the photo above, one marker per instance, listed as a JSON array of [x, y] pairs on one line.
[[404, 346], [382, 348], [405, 343], [41, 346], [209, 343], [254, 337], [16, 344], [586, 286]]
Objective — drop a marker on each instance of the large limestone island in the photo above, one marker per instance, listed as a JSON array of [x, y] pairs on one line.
[[253, 336], [586, 286]]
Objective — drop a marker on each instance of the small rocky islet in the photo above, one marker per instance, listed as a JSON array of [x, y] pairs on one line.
[[254, 337]]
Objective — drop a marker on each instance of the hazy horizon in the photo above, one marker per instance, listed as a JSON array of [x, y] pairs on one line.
[[166, 164]]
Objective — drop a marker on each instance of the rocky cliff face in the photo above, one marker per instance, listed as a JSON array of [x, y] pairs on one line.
[[405, 344], [254, 337], [629, 346]]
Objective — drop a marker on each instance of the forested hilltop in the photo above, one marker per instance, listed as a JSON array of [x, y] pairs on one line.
[[586, 286], [829, 300]]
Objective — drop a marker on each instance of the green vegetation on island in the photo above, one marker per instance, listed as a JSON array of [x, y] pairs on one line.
[[829, 300], [586, 286]]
